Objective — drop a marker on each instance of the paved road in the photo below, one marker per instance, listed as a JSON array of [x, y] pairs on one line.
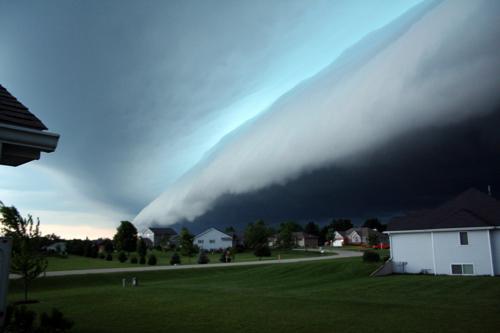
[[341, 254]]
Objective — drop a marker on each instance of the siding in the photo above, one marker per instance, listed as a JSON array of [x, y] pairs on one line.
[[213, 239], [449, 251], [413, 248]]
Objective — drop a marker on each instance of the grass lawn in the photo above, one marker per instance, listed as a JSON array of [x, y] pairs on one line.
[[79, 262], [326, 296]]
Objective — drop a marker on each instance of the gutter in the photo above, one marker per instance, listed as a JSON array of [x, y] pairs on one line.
[[27, 137], [440, 230]]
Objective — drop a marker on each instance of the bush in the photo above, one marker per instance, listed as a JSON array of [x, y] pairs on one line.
[[370, 256], [109, 257], [152, 260], [203, 258], [20, 319], [133, 260], [225, 256], [176, 259], [102, 255], [385, 258], [142, 260], [122, 257], [262, 251]]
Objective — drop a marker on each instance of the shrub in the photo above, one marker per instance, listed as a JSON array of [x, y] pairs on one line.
[[133, 260], [142, 260], [370, 256], [225, 256], [175, 259], [122, 257], [203, 258], [385, 258], [152, 260], [109, 257], [20, 319], [102, 255], [262, 250]]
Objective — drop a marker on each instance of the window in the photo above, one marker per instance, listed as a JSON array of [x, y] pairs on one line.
[[200, 241], [462, 269], [464, 239], [212, 241]]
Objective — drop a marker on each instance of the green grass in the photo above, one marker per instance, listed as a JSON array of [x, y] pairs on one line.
[[79, 262], [326, 296]]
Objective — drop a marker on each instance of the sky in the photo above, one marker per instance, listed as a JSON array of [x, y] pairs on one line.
[[213, 113]]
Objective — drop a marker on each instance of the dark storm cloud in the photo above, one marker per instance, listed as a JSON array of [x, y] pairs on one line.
[[433, 68]]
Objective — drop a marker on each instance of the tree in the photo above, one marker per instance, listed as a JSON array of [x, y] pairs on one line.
[[230, 230], [175, 259], [108, 246], [341, 224], [262, 250], [165, 241], [203, 258], [142, 248], [125, 238], [285, 235], [27, 260], [373, 239], [374, 223], [186, 243], [311, 228], [256, 234]]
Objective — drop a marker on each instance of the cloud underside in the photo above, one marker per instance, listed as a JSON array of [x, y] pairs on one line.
[[368, 123]]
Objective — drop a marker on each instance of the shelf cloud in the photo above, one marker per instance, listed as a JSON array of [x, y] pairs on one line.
[[436, 65]]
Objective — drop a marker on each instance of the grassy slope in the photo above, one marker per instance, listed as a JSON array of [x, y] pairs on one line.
[[326, 296], [79, 262]]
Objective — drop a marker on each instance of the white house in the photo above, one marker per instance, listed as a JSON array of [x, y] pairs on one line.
[[159, 234], [461, 237], [213, 239]]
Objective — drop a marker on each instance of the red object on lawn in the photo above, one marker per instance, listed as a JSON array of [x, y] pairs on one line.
[[381, 246]]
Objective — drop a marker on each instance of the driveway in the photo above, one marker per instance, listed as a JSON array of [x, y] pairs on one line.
[[340, 254]]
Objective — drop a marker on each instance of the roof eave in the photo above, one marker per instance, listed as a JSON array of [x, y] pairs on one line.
[[439, 230]]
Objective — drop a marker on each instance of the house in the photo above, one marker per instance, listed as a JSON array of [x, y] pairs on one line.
[[159, 234], [22, 135], [302, 239], [213, 239], [58, 247], [460, 237], [272, 241], [359, 236]]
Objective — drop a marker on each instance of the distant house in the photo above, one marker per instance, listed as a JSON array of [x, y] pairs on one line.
[[461, 237], [272, 241], [213, 239], [157, 234], [359, 236], [302, 239], [58, 247]]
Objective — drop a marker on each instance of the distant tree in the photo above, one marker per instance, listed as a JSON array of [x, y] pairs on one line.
[[312, 228], [374, 223], [186, 243], [285, 234], [262, 250], [142, 248], [175, 259], [108, 245], [203, 257], [125, 238], [341, 224], [27, 260], [230, 230], [373, 239], [256, 234], [152, 260], [122, 257]]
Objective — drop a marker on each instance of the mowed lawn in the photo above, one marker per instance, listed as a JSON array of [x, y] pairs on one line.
[[73, 262], [326, 296]]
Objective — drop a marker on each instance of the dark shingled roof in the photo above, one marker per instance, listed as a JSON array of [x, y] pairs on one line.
[[12, 112], [163, 231], [471, 209]]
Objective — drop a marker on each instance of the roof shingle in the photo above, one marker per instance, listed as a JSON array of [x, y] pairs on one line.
[[12, 112]]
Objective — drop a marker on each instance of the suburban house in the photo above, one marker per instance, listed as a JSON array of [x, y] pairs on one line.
[[302, 239], [213, 239], [461, 237], [58, 247], [359, 236], [158, 234], [339, 238], [272, 241]]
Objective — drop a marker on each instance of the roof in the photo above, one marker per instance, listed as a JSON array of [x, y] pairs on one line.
[[363, 231], [13, 112], [212, 229], [471, 209], [301, 234], [163, 231]]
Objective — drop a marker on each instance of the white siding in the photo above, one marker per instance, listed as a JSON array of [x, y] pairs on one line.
[[213, 239], [413, 248], [495, 247], [449, 251]]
